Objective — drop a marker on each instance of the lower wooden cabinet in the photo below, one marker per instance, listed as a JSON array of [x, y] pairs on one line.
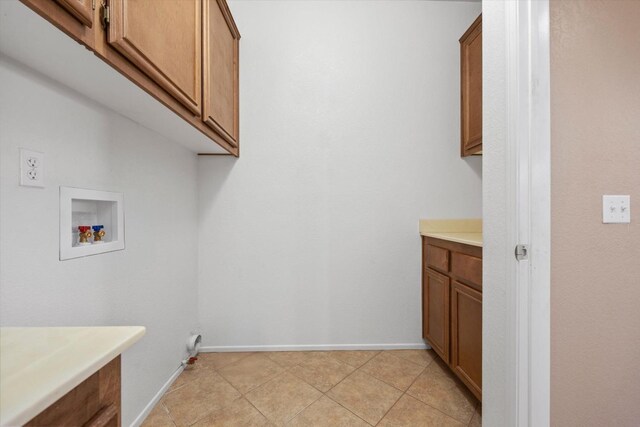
[[95, 402], [452, 307]]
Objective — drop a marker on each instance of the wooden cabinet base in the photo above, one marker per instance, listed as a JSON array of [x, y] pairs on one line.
[[93, 403], [452, 307]]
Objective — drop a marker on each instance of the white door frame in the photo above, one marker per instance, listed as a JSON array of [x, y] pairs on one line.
[[521, 397], [529, 129]]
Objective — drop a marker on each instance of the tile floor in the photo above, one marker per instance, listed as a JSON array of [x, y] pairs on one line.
[[333, 388]]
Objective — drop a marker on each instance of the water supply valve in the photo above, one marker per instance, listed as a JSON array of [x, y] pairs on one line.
[[98, 233]]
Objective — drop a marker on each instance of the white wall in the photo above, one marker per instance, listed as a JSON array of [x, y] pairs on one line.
[[349, 135], [152, 282]]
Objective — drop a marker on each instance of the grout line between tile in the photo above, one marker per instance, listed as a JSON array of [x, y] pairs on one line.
[[389, 384], [259, 385], [223, 407], [347, 409], [440, 410], [171, 417], [347, 376], [161, 403], [479, 404], [310, 385], [401, 396], [340, 382], [356, 370], [430, 405], [300, 411], [377, 352], [321, 391], [229, 382], [273, 379], [246, 354], [404, 358], [256, 408], [306, 382], [389, 410]]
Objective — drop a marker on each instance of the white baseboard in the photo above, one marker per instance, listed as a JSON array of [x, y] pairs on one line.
[[314, 347], [154, 401]]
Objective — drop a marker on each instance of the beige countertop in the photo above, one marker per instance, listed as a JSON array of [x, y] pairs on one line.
[[40, 365], [466, 231]]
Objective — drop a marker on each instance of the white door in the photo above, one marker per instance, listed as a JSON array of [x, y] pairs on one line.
[[516, 200]]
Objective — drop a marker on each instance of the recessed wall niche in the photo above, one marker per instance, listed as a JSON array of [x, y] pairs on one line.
[[91, 222]]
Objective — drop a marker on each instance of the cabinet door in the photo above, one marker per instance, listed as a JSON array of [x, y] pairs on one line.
[[471, 89], [220, 70], [466, 336], [435, 311], [164, 40], [82, 10]]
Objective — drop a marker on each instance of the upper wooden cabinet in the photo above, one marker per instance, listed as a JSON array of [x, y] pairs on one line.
[[471, 89], [163, 39], [184, 53], [82, 10], [220, 70]]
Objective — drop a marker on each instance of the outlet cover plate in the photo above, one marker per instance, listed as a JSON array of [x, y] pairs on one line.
[[616, 209], [31, 168]]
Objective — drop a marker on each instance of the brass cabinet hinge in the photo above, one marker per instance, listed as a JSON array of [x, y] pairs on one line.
[[104, 15]]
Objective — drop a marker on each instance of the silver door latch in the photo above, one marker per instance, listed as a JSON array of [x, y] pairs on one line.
[[522, 252]]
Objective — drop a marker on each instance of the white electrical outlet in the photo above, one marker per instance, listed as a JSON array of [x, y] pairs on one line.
[[616, 209], [31, 168]]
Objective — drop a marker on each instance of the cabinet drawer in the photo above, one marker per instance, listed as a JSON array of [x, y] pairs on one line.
[[437, 258], [467, 268]]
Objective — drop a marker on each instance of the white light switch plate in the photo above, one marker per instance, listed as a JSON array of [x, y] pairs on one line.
[[616, 209], [31, 168]]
